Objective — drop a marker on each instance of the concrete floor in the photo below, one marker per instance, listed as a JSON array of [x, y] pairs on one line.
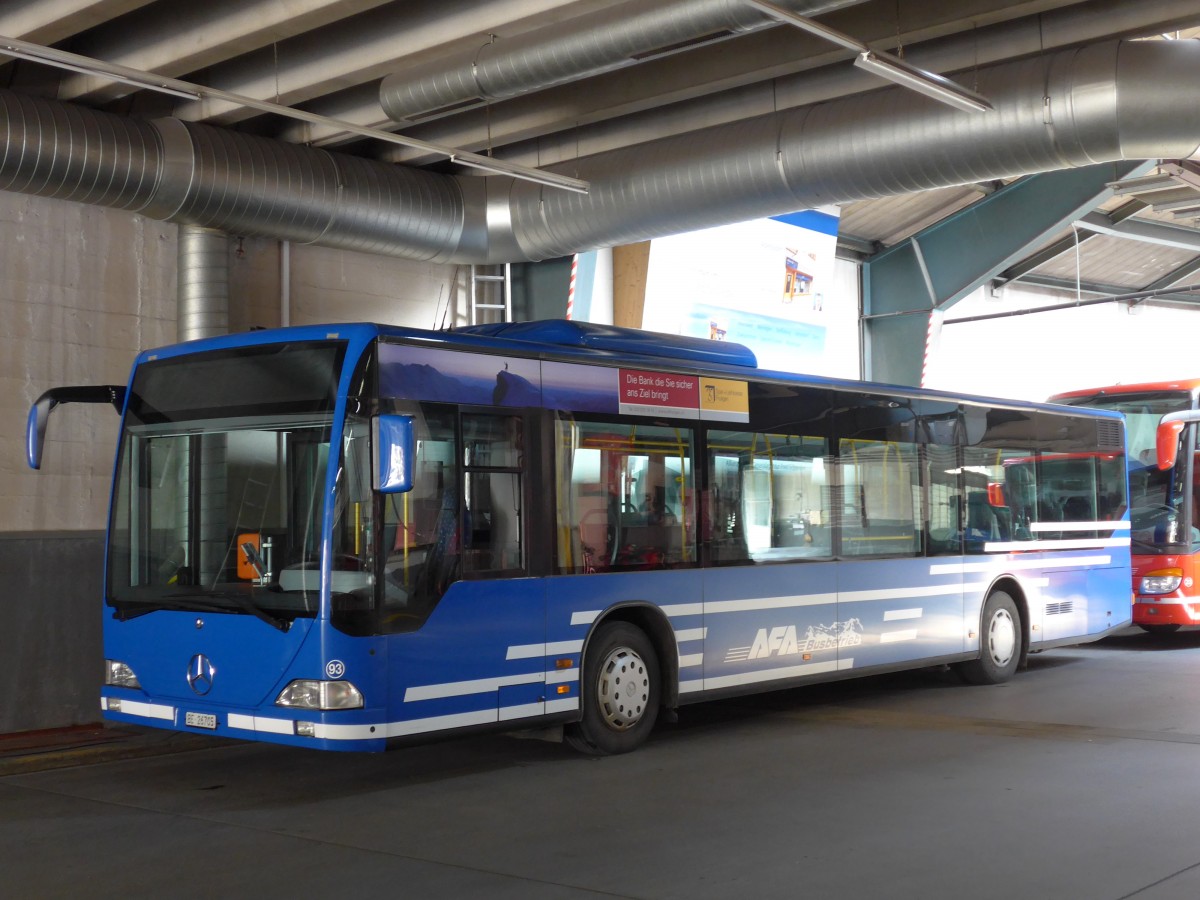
[[1079, 779]]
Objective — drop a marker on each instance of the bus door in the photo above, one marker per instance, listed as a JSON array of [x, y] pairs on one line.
[[770, 590], [458, 585], [898, 530]]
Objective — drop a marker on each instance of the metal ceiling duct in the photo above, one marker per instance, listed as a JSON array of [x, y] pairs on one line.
[[573, 49], [203, 287], [1100, 103]]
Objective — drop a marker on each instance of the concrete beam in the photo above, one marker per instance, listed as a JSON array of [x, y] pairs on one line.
[[941, 265]]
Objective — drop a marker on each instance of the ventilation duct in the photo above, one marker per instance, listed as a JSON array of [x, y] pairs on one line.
[[571, 50], [1101, 103], [203, 283]]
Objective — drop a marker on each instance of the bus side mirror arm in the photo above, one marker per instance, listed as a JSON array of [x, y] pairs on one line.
[[39, 413], [394, 455]]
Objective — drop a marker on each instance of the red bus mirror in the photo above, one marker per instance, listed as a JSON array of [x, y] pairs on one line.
[[1167, 443], [996, 494]]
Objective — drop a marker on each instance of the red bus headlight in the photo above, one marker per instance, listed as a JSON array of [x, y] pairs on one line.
[[1161, 581]]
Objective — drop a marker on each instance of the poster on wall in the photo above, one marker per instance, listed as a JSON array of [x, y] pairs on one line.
[[767, 283]]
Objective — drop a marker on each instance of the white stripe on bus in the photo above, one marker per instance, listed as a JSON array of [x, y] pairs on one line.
[[892, 637], [1071, 544], [474, 686], [523, 711], [142, 710], [439, 723], [724, 606], [932, 590], [741, 678], [690, 634], [1064, 562], [533, 651], [1118, 525], [794, 601], [261, 723], [893, 614], [691, 659]]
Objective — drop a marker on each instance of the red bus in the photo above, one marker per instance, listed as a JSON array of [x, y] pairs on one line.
[[1164, 496]]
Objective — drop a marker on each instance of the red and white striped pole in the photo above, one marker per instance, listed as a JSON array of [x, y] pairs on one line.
[[571, 286], [933, 337]]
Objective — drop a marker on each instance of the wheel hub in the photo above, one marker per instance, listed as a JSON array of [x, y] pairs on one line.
[[623, 689], [1002, 637]]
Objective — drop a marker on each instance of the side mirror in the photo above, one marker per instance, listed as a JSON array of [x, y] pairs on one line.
[[39, 413], [995, 494], [35, 430], [395, 451], [1166, 440]]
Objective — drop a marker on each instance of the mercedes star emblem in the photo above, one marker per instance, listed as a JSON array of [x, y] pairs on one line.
[[200, 674]]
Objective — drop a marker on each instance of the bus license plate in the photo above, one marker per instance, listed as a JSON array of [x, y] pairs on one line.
[[201, 720]]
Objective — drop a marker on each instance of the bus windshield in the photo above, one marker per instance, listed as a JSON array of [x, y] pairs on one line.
[[1160, 509], [223, 512], [1143, 412]]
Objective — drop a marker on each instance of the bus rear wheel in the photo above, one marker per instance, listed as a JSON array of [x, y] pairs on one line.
[[620, 691], [999, 642]]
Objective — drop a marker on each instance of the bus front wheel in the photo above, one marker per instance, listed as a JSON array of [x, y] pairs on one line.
[[999, 642], [620, 691]]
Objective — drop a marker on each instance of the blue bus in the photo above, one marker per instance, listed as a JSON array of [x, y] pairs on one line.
[[351, 536]]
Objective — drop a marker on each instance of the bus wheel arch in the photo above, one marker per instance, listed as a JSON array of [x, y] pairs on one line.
[[1003, 636], [626, 652]]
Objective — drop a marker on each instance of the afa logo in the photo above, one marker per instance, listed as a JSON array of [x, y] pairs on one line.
[[780, 641], [783, 640]]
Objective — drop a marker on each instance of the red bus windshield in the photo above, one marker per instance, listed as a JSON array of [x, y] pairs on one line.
[[1163, 504]]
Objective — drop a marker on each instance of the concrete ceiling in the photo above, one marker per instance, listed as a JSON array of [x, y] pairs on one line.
[[329, 57]]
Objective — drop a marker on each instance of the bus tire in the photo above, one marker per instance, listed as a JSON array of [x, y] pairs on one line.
[[620, 691], [1160, 629], [999, 642]]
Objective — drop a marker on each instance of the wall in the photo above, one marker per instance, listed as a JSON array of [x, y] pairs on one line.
[[50, 642], [83, 291]]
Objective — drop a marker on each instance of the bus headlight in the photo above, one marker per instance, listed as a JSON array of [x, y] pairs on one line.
[[117, 674], [312, 694], [1161, 581]]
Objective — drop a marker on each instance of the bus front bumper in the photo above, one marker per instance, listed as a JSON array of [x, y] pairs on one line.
[[1166, 610]]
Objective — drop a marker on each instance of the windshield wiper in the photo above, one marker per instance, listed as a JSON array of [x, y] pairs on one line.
[[206, 601], [248, 605], [173, 601], [1146, 548]]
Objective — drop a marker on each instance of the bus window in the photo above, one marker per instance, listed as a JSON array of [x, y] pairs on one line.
[[880, 498], [625, 496], [944, 527], [768, 497], [1001, 491], [492, 461]]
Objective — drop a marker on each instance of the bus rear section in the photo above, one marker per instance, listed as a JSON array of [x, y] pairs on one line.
[[1164, 502]]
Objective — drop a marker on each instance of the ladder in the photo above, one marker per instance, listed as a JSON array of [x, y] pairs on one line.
[[491, 294]]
